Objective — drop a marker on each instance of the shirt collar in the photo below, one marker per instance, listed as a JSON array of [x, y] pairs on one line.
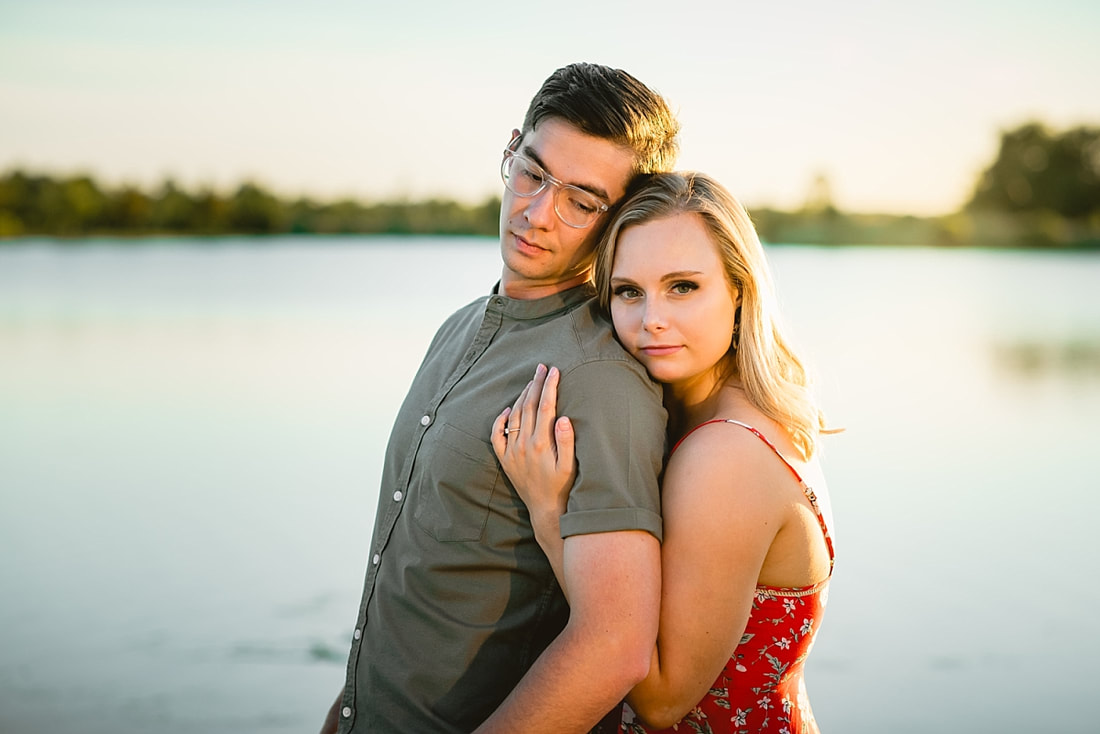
[[536, 308]]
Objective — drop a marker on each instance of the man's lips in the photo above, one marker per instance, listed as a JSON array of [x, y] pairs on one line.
[[527, 245]]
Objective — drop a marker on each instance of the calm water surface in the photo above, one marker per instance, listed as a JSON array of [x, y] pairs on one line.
[[190, 443]]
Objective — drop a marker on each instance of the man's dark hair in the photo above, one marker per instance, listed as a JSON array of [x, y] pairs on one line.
[[610, 104]]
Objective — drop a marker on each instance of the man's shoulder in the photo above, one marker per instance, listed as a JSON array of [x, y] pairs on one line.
[[475, 307], [588, 351], [594, 336], [468, 315]]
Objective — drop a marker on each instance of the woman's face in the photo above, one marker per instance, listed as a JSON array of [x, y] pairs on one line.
[[672, 306]]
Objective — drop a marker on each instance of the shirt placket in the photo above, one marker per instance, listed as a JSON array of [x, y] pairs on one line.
[[491, 322]]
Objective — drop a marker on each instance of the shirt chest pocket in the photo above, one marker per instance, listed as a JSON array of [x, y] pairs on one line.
[[455, 485]]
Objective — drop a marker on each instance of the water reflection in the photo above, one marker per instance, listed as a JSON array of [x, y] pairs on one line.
[[190, 444], [1069, 359]]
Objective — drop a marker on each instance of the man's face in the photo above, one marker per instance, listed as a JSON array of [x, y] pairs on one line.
[[542, 254]]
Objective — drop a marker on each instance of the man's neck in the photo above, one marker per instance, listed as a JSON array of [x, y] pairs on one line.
[[529, 291]]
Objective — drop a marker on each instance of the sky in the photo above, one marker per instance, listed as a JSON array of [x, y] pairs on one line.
[[898, 105]]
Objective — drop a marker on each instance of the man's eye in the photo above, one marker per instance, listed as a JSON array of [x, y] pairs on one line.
[[584, 207]]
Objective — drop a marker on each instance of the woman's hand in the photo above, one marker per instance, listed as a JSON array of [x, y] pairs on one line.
[[536, 451]]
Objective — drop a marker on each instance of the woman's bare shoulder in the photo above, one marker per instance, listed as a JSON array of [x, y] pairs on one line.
[[723, 455]]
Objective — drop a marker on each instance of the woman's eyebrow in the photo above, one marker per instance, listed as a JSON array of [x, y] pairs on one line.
[[681, 274]]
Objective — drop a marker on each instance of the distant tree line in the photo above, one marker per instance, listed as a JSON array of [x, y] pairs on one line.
[[1041, 190], [78, 206]]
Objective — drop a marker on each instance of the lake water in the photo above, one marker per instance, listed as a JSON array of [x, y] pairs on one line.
[[190, 443]]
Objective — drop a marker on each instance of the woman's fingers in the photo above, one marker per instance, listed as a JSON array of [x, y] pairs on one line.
[[535, 447], [529, 424], [515, 417], [531, 402], [548, 404], [564, 437], [507, 424], [562, 427], [497, 436]]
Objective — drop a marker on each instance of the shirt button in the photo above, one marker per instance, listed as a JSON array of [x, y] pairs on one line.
[[397, 496], [376, 559], [346, 712], [358, 634], [425, 420]]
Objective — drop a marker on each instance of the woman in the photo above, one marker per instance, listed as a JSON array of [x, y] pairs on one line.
[[746, 557]]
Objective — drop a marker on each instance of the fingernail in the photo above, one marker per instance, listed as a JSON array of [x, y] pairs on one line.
[[538, 370], [553, 371]]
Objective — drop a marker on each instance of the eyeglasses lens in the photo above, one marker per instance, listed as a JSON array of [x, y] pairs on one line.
[[574, 206]]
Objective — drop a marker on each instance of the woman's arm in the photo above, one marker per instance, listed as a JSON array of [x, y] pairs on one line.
[[721, 513], [537, 455]]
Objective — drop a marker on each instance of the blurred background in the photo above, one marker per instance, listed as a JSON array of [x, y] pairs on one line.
[[229, 230]]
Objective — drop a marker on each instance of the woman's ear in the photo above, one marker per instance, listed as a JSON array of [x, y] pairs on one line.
[[735, 293]]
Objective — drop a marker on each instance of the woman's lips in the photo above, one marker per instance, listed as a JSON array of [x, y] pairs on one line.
[[661, 350]]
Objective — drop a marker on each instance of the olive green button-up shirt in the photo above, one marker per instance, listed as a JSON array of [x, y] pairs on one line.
[[459, 599]]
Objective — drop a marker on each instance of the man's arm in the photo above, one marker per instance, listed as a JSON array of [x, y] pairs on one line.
[[332, 720], [614, 584]]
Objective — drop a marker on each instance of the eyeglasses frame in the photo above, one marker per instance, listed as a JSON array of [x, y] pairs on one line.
[[547, 179]]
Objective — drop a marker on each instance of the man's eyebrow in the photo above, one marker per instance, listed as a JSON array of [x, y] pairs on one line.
[[596, 191]]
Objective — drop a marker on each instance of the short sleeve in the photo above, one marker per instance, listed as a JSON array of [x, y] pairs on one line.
[[619, 423]]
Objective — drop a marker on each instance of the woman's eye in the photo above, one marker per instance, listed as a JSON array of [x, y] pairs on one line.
[[684, 287], [627, 291]]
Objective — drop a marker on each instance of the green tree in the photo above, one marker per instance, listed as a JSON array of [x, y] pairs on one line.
[[255, 211], [127, 210], [1039, 171], [80, 206], [13, 204], [173, 210]]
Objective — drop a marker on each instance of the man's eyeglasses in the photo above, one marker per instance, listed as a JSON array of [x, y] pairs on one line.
[[523, 177]]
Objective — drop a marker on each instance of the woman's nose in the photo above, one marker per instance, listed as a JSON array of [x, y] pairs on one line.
[[653, 319]]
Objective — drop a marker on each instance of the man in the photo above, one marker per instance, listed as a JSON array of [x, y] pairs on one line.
[[462, 624]]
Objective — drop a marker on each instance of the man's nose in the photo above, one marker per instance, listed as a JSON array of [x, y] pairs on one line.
[[540, 208]]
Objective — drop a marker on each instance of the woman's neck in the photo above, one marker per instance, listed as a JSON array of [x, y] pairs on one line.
[[688, 406], [700, 397]]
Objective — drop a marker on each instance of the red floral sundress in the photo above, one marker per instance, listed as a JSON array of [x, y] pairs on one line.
[[761, 688]]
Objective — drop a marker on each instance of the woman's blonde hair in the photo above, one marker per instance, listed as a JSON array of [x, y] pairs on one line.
[[770, 373]]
